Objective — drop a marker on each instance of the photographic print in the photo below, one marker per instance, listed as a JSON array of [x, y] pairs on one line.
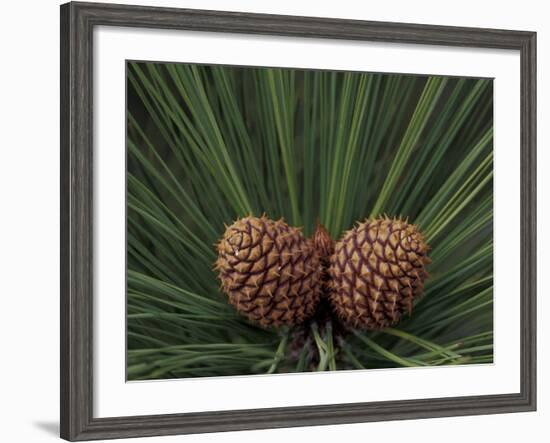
[[283, 220]]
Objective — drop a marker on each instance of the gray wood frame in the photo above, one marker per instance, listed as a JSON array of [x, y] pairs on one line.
[[77, 23]]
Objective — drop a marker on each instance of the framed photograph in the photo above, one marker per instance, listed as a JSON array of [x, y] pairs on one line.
[[272, 221]]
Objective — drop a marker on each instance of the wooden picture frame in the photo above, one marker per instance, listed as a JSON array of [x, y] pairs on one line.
[[77, 23]]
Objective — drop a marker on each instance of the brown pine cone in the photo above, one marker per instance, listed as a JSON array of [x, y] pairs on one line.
[[269, 271], [324, 245], [322, 241], [376, 271]]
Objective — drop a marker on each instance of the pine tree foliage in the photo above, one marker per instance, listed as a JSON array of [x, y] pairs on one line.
[[210, 144]]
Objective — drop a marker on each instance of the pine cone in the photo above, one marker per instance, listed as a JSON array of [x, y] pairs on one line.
[[269, 271], [376, 271], [322, 241], [324, 245]]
